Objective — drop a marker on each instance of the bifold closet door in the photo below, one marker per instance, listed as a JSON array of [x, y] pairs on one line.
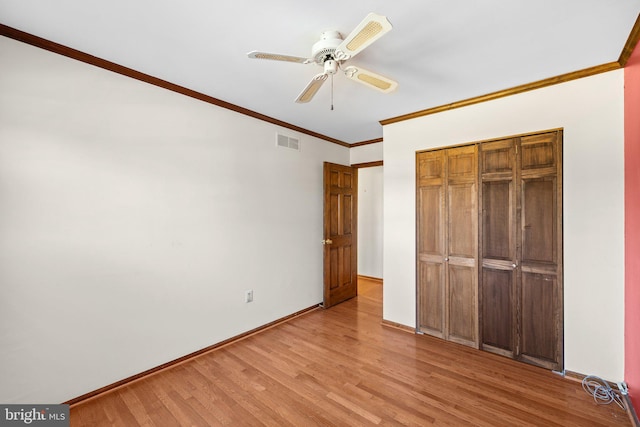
[[489, 246], [521, 247], [541, 293], [499, 274], [462, 245], [448, 244], [430, 198]]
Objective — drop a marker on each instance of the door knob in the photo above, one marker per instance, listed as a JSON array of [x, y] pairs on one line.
[[514, 265], [327, 242]]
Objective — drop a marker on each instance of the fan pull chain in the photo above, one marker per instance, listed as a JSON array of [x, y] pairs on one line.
[[331, 92]]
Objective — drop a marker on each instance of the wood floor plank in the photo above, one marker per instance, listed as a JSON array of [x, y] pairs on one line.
[[289, 388], [243, 407], [341, 367], [130, 400], [210, 400], [117, 411]]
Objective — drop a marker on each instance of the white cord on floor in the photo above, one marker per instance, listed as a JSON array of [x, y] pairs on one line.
[[602, 393]]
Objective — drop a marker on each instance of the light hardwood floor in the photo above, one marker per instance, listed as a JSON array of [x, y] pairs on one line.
[[342, 367]]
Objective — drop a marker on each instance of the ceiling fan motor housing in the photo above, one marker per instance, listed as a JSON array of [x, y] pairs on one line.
[[324, 48]]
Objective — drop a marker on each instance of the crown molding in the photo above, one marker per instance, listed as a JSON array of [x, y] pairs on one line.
[[54, 47], [629, 46], [507, 92], [370, 141], [368, 164]]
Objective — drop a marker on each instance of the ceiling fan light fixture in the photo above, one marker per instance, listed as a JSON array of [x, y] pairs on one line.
[[330, 67]]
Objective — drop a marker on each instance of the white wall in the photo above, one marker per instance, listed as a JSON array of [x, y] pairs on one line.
[[370, 221], [366, 153], [133, 219], [591, 112]]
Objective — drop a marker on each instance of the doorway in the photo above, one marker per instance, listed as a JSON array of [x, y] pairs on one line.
[[370, 226], [367, 180]]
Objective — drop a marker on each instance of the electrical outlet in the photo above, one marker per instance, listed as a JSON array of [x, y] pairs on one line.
[[248, 296]]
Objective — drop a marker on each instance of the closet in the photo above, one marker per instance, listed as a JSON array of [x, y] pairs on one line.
[[490, 246]]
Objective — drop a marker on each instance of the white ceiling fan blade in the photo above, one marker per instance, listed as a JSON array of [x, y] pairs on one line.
[[278, 57], [369, 30], [371, 79], [308, 92]]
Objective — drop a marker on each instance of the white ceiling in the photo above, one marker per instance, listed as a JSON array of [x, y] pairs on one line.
[[440, 51]]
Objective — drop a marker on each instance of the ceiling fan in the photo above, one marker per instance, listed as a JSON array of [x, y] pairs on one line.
[[332, 52]]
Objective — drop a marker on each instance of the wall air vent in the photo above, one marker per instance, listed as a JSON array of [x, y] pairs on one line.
[[285, 141]]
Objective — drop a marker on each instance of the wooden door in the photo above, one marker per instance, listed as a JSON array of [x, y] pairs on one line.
[[521, 248], [447, 244], [541, 258], [431, 254], [498, 248], [462, 245], [340, 233]]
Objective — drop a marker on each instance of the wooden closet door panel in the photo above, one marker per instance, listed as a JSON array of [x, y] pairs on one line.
[[431, 274], [497, 220], [498, 271], [498, 159], [463, 318], [462, 246], [540, 296], [462, 229], [541, 256], [498, 237], [462, 264], [539, 212], [539, 320], [430, 168], [462, 202], [431, 298], [539, 153], [430, 220], [462, 164], [497, 310]]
